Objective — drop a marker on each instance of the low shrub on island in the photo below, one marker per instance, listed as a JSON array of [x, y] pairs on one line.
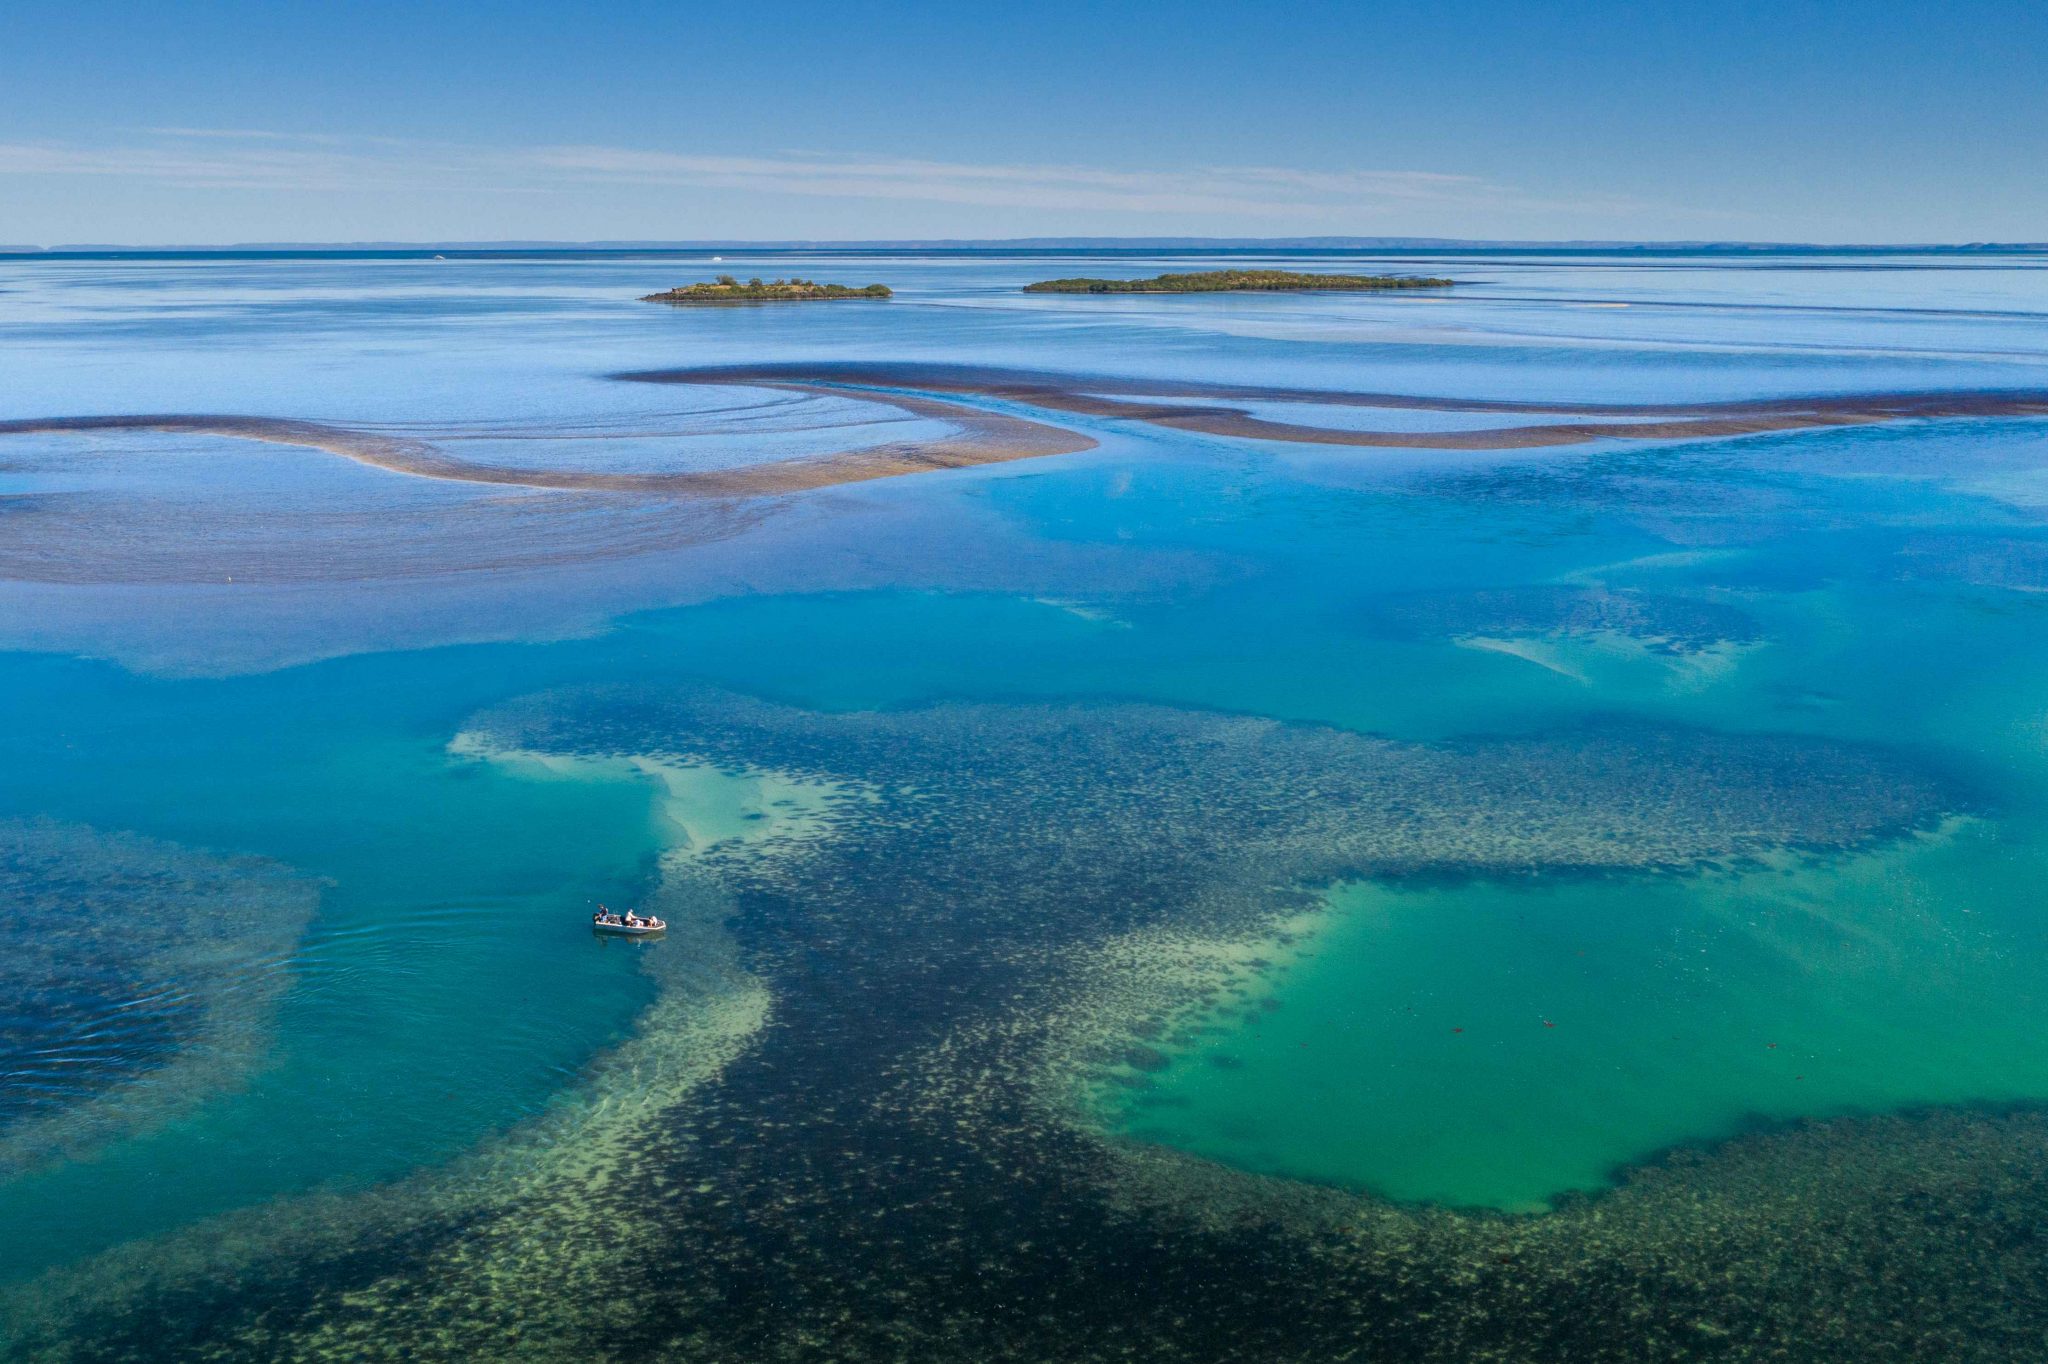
[[726, 289], [1234, 281]]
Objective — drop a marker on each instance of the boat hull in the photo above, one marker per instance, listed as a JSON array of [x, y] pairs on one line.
[[624, 931]]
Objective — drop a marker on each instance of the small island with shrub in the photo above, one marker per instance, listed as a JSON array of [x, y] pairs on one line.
[[726, 289], [1235, 281]]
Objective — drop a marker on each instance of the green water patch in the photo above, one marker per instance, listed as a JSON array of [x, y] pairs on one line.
[[1498, 1044]]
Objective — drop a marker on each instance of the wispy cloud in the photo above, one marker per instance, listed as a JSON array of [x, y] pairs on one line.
[[256, 159], [270, 135], [243, 134], [1255, 191], [248, 158]]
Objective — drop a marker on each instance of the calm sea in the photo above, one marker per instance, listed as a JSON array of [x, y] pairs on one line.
[[1075, 861]]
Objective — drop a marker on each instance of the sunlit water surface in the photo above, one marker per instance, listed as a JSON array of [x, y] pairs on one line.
[[237, 670]]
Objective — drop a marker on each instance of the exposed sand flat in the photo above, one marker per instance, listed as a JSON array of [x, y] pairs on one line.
[[1081, 395], [979, 438]]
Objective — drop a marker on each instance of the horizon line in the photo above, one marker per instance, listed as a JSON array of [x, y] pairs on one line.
[[1075, 242]]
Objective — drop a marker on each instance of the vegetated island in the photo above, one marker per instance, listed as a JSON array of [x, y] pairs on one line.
[[1235, 282], [726, 289]]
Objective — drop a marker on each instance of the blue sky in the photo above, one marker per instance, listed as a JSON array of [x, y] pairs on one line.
[[220, 122]]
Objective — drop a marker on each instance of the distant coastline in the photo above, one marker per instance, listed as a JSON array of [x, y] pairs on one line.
[[726, 289], [1238, 282]]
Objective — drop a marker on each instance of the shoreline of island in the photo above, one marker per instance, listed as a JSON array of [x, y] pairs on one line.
[[727, 289]]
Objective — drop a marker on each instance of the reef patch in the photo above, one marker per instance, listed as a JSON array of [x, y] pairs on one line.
[[139, 978], [878, 1160]]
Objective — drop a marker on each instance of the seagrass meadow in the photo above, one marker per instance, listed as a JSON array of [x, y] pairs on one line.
[[1491, 824]]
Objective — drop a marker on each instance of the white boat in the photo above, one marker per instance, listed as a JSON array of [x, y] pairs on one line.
[[625, 930]]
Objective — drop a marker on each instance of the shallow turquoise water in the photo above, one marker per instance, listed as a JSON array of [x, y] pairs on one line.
[[1500, 1045], [430, 1001], [1471, 1041]]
